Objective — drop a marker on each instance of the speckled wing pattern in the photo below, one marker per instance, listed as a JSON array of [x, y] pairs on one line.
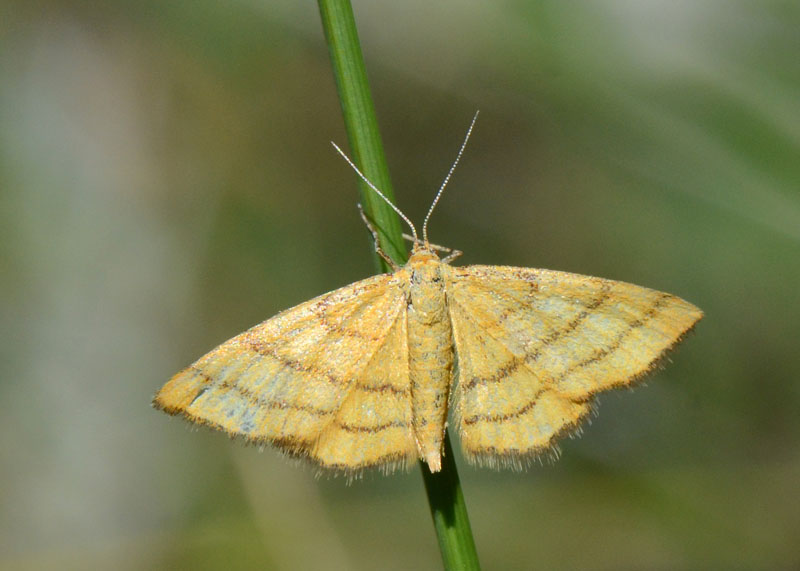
[[534, 346], [326, 380], [349, 380]]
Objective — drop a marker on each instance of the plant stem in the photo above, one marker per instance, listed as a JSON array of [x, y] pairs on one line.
[[449, 513], [361, 123], [445, 498]]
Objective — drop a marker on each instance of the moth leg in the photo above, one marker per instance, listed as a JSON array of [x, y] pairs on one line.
[[375, 240], [451, 256]]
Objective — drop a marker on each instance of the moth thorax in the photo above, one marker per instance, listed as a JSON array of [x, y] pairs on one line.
[[427, 290]]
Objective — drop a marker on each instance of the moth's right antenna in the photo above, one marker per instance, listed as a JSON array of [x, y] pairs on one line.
[[447, 179], [378, 192]]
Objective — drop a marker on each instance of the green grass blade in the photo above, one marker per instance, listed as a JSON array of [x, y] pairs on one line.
[[445, 498], [361, 123], [449, 513]]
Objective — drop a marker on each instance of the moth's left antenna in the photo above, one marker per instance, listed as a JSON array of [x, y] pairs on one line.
[[447, 179], [378, 192]]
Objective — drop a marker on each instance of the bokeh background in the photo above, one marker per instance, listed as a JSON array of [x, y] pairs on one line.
[[167, 181]]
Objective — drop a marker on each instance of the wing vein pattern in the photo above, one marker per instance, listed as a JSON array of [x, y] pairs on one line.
[[299, 382], [534, 347]]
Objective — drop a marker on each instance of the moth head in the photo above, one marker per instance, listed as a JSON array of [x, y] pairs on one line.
[[422, 253]]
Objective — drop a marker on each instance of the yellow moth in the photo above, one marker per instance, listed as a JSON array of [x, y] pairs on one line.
[[365, 375]]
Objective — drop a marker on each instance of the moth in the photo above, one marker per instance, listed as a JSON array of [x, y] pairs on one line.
[[365, 375]]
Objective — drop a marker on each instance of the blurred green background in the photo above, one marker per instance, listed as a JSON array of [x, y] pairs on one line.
[[167, 181]]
